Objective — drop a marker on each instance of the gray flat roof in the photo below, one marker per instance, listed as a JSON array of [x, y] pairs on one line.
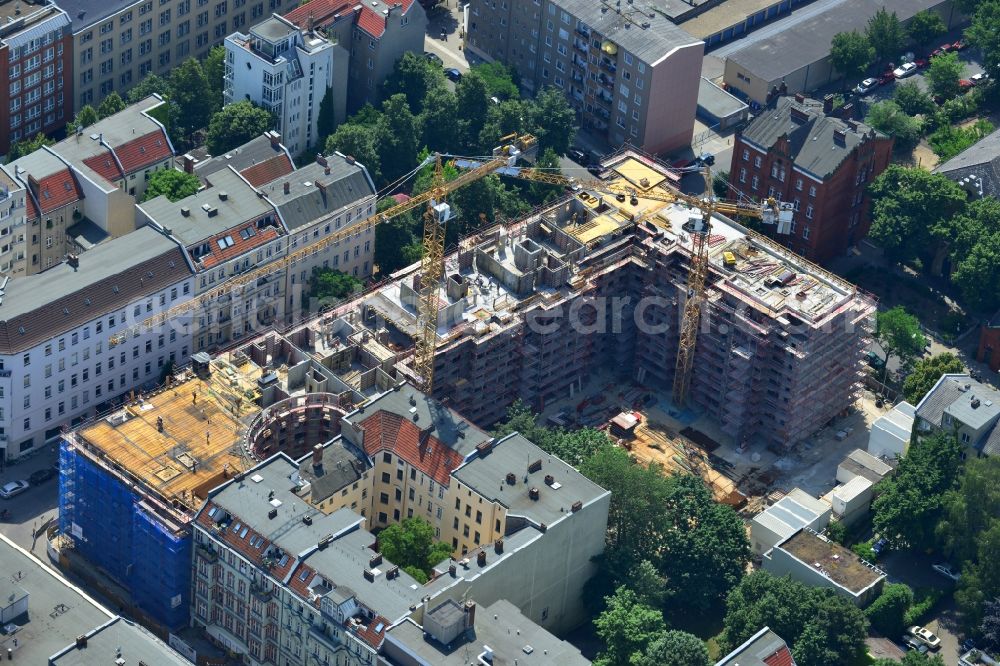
[[649, 44], [58, 612], [86, 13], [504, 628], [39, 164], [119, 638], [808, 41], [241, 205], [486, 474], [313, 193], [717, 101], [273, 29], [253, 152]]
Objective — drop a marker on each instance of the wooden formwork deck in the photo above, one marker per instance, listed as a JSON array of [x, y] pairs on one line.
[[199, 445]]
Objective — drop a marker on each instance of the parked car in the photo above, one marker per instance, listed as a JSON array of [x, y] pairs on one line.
[[925, 636], [577, 156], [453, 74], [959, 45], [40, 476], [433, 57], [886, 78], [965, 85], [981, 77], [913, 643], [876, 362], [904, 70], [13, 488], [944, 48], [879, 546], [865, 86], [968, 644], [945, 570], [922, 63]]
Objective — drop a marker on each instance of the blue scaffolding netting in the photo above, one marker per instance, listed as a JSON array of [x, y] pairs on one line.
[[111, 528]]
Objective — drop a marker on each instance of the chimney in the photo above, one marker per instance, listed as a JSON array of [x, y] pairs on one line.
[[321, 185], [975, 403], [188, 163], [223, 195], [73, 260], [318, 455], [350, 159], [549, 479], [185, 212], [81, 641], [452, 569], [511, 478], [287, 187], [375, 560], [847, 113], [470, 614], [498, 546], [839, 137], [800, 98], [481, 558], [326, 170], [798, 115], [272, 514], [533, 493], [321, 160], [828, 103], [535, 466], [275, 138], [577, 505]]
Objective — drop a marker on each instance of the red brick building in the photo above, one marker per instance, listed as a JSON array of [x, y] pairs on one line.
[[989, 343], [36, 59], [820, 163]]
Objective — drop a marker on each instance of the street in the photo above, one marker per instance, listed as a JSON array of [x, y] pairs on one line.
[[30, 509], [444, 35]]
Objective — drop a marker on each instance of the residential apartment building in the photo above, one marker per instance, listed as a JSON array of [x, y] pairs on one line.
[[259, 161], [631, 74], [764, 647], [960, 405], [83, 189], [376, 35], [13, 214], [35, 53], [800, 153], [287, 71], [119, 42]]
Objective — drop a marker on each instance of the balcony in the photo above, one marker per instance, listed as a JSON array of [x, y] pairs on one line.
[[207, 552], [608, 65], [580, 45], [606, 81], [257, 590]]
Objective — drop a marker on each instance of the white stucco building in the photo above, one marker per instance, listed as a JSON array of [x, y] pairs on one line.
[[287, 71]]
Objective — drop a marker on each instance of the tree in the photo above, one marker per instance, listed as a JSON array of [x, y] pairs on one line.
[[357, 141], [331, 284], [948, 140], [911, 211], [911, 99], [85, 117], [943, 75], [326, 121], [538, 193], [925, 26], [886, 34], [413, 76], [28, 146], [500, 80], [149, 85], [674, 648], [926, 372], [980, 581], [970, 509], [989, 628], [572, 446], [984, 32], [552, 120], [236, 124], [912, 658], [978, 274], [502, 119], [648, 584], [824, 629], [627, 627], [411, 546], [396, 138], [851, 53], [171, 183], [472, 105], [887, 117], [898, 333], [214, 66], [887, 613], [192, 93], [438, 120], [909, 503], [110, 105]]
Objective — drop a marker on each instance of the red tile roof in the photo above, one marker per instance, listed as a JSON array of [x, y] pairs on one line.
[[320, 11], [368, 633], [105, 165], [387, 431], [239, 246], [268, 170], [56, 190], [32, 208], [143, 151], [242, 545], [371, 21], [783, 657]]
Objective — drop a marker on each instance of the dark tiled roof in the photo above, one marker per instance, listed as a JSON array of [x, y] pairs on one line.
[[810, 135], [313, 193], [982, 160]]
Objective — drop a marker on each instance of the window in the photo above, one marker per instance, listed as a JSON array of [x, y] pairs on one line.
[[805, 232], [746, 155], [753, 183], [756, 161], [809, 211], [798, 184], [743, 175], [812, 190]]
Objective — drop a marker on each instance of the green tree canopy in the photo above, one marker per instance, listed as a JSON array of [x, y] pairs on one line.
[[553, 121], [823, 628], [978, 273], [190, 90], [149, 85], [926, 372], [357, 141], [28, 146], [85, 117], [236, 124], [627, 627], [944, 73], [413, 76], [331, 284], [411, 546], [912, 209], [984, 32], [326, 121], [970, 509], [886, 34], [396, 138], [214, 66], [898, 333], [909, 503], [989, 628], [889, 118], [912, 658], [110, 105], [171, 183], [473, 103], [911, 99], [572, 446], [674, 648], [887, 614], [851, 53], [437, 120], [500, 80], [925, 26], [980, 580]]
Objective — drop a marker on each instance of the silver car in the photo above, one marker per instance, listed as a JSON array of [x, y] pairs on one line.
[[13, 488]]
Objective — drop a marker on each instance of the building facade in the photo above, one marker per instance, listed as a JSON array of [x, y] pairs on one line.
[[632, 76], [288, 72], [802, 154], [36, 54], [117, 44]]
